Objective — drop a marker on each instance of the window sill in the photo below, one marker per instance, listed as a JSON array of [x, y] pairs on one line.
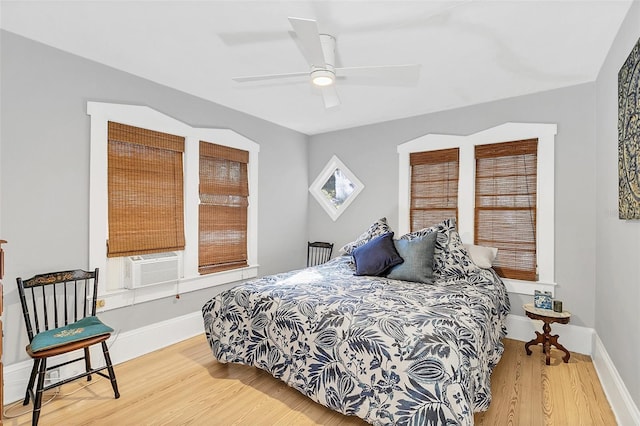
[[528, 287], [127, 297]]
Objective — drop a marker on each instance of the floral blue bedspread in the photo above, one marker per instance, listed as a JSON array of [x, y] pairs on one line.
[[390, 352]]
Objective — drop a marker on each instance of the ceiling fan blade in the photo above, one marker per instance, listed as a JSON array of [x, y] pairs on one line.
[[309, 37], [330, 96], [247, 78], [403, 75]]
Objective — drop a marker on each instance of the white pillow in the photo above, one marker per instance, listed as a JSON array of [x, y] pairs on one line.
[[482, 256]]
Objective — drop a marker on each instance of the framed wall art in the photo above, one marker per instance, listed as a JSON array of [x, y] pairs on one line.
[[629, 136]]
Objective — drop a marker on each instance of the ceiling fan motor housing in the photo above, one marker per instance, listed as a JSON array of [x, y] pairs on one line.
[[322, 77]]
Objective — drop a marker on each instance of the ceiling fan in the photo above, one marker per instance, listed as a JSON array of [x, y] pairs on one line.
[[319, 51]]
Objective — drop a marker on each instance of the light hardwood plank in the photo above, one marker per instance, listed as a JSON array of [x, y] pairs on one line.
[[526, 391], [184, 385]]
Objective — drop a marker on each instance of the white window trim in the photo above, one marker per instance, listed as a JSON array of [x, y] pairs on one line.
[[545, 133], [316, 187], [191, 280]]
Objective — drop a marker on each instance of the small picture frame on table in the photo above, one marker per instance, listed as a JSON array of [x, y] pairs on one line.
[[542, 299]]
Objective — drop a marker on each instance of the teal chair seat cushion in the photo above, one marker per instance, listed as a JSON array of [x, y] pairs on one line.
[[79, 330]]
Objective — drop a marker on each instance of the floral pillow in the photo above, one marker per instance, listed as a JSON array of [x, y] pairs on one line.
[[450, 259], [376, 229]]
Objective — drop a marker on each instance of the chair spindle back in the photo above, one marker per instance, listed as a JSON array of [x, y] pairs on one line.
[[318, 252], [57, 299]]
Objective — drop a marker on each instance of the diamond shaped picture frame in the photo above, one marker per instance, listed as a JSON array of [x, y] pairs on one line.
[[335, 188]]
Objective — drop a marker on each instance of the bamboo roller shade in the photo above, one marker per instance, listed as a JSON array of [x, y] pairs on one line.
[[224, 191], [145, 187], [505, 211], [434, 187]]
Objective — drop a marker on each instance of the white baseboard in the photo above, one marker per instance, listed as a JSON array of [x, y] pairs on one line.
[[122, 347], [134, 343], [625, 410]]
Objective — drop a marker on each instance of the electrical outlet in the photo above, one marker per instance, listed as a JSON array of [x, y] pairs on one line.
[[100, 303], [53, 375]]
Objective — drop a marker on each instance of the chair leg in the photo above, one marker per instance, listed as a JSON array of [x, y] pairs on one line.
[[32, 379], [87, 363], [112, 373], [37, 403]]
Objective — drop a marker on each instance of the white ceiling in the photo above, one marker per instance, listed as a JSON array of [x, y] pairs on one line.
[[471, 51]]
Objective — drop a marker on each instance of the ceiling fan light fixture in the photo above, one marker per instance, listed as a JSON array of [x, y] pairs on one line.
[[322, 78]]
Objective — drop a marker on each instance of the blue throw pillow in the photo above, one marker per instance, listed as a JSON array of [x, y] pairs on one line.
[[376, 256], [418, 259]]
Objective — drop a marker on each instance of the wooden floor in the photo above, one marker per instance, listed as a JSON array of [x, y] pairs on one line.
[[184, 385]]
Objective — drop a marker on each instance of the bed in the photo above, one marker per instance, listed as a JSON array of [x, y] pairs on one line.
[[390, 351]]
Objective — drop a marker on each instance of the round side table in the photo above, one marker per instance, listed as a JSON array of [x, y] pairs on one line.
[[547, 316]]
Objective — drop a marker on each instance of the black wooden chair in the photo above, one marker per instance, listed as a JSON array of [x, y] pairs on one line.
[[60, 314], [318, 252]]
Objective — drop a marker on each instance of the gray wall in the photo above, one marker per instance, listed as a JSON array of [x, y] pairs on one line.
[[370, 153], [618, 241], [45, 174]]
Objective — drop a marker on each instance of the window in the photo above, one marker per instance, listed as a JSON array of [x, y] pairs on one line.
[[224, 193], [186, 175], [145, 191], [505, 207], [335, 188], [482, 206], [434, 187]]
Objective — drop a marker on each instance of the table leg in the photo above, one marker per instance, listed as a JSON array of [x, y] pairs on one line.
[[546, 339], [547, 352], [547, 344], [539, 339], [554, 341]]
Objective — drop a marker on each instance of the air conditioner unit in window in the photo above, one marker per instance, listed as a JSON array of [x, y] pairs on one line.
[[149, 269]]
